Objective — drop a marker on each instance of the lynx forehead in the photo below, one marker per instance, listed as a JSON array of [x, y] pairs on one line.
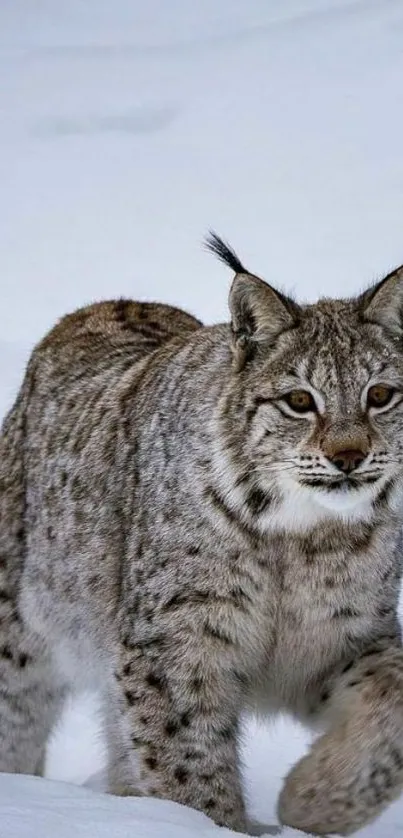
[[199, 521]]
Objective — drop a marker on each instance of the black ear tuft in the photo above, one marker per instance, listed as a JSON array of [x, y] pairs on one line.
[[224, 252], [259, 313]]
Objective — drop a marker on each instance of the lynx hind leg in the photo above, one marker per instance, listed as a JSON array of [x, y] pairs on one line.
[[355, 769], [122, 762], [30, 701]]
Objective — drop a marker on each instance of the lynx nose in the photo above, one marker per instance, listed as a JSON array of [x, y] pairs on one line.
[[347, 460]]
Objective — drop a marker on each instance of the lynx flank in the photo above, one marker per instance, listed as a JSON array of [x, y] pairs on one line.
[[204, 520]]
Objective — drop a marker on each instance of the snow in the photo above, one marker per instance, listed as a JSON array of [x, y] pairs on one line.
[[79, 812], [127, 130]]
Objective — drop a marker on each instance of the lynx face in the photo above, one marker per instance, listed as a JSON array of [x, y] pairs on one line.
[[323, 396], [329, 418]]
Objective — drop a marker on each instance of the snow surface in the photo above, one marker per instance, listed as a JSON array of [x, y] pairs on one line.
[[127, 129]]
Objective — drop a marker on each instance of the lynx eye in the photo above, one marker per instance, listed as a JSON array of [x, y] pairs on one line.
[[301, 401], [379, 395]]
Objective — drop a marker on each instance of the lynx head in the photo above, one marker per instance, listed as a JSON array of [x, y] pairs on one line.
[[317, 392]]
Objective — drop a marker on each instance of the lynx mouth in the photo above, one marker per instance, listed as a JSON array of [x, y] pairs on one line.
[[344, 484]]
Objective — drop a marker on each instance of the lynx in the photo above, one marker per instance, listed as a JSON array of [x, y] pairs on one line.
[[206, 521]]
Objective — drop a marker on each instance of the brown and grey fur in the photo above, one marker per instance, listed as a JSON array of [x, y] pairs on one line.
[[171, 535]]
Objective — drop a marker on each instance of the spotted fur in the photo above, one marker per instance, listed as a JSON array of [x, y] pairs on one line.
[[172, 533]]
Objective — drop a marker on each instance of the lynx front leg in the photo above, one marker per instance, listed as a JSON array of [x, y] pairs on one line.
[[182, 710], [356, 768]]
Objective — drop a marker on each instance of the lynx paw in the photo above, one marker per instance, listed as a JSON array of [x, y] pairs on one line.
[[308, 803], [340, 786]]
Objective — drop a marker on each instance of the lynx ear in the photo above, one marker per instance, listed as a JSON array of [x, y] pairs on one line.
[[259, 313], [383, 303]]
